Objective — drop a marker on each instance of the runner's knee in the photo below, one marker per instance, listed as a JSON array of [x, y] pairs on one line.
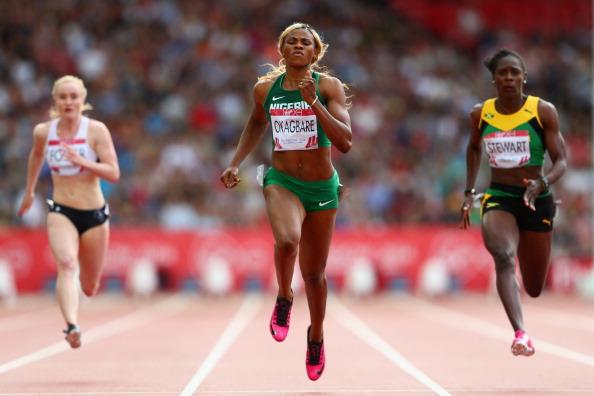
[[66, 264], [504, 260], [314, 278], [287, 245]]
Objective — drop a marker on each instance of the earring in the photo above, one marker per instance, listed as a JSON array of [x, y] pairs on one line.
[[492, 81], [525, 81]]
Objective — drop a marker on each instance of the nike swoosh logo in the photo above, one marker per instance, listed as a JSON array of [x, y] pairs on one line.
[[325, 203], [492, 204], [277, 97]]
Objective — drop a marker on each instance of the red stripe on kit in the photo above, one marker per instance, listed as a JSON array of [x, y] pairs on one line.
[[291, 112], [67, 141]]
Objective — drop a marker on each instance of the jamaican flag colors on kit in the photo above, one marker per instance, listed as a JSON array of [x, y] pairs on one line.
[[513, 140]]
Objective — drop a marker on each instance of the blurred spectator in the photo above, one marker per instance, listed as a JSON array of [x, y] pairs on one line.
[[172, 81]]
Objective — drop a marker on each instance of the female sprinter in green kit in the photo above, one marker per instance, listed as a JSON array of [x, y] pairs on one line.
[[308, 113]]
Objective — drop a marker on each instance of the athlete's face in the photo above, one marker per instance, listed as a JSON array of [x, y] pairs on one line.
[[68, 99], [509, 76], [299, 48]]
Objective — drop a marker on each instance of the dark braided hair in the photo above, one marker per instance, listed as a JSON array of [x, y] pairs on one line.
[[493, 61]]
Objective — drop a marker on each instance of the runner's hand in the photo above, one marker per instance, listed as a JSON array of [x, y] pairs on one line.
[[26, 204], [72, 155], [533, 189], [307, 87], [465, 211], [230, 177]]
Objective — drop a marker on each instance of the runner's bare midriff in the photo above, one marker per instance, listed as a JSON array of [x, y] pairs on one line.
[[305, 165], [515, 176], [81, 191]]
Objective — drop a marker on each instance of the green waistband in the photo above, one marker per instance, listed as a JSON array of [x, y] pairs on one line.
[[504, 190], [321, 184]]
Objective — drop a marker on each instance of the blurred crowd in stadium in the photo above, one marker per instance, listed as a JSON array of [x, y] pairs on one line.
[[172, 80]]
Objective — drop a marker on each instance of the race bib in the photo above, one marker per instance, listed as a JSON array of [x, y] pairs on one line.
[[56, 157], [294, 129], [509, 149]]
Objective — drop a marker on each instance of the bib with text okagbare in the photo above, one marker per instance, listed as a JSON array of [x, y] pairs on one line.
[[293, 122]]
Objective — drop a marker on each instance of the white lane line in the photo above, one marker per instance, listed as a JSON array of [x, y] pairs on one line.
[[242, 317], [346, 318], [469, 323], [106, 330]]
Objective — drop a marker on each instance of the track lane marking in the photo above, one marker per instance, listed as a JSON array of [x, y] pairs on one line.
[[100, 332], [468, 323], [240, 320], [350, 321]]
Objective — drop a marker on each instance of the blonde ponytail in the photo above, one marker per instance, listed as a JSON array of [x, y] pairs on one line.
[[320, 50], [64, 79]]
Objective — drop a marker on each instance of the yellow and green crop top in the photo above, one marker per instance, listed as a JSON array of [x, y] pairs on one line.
[[294, 123], [513, 140]]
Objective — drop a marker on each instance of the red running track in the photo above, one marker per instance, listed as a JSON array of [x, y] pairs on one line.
[[391, 344]]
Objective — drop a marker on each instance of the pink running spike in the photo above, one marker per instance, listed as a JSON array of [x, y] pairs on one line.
[[315, 359], [522, 344], [280, 319]]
